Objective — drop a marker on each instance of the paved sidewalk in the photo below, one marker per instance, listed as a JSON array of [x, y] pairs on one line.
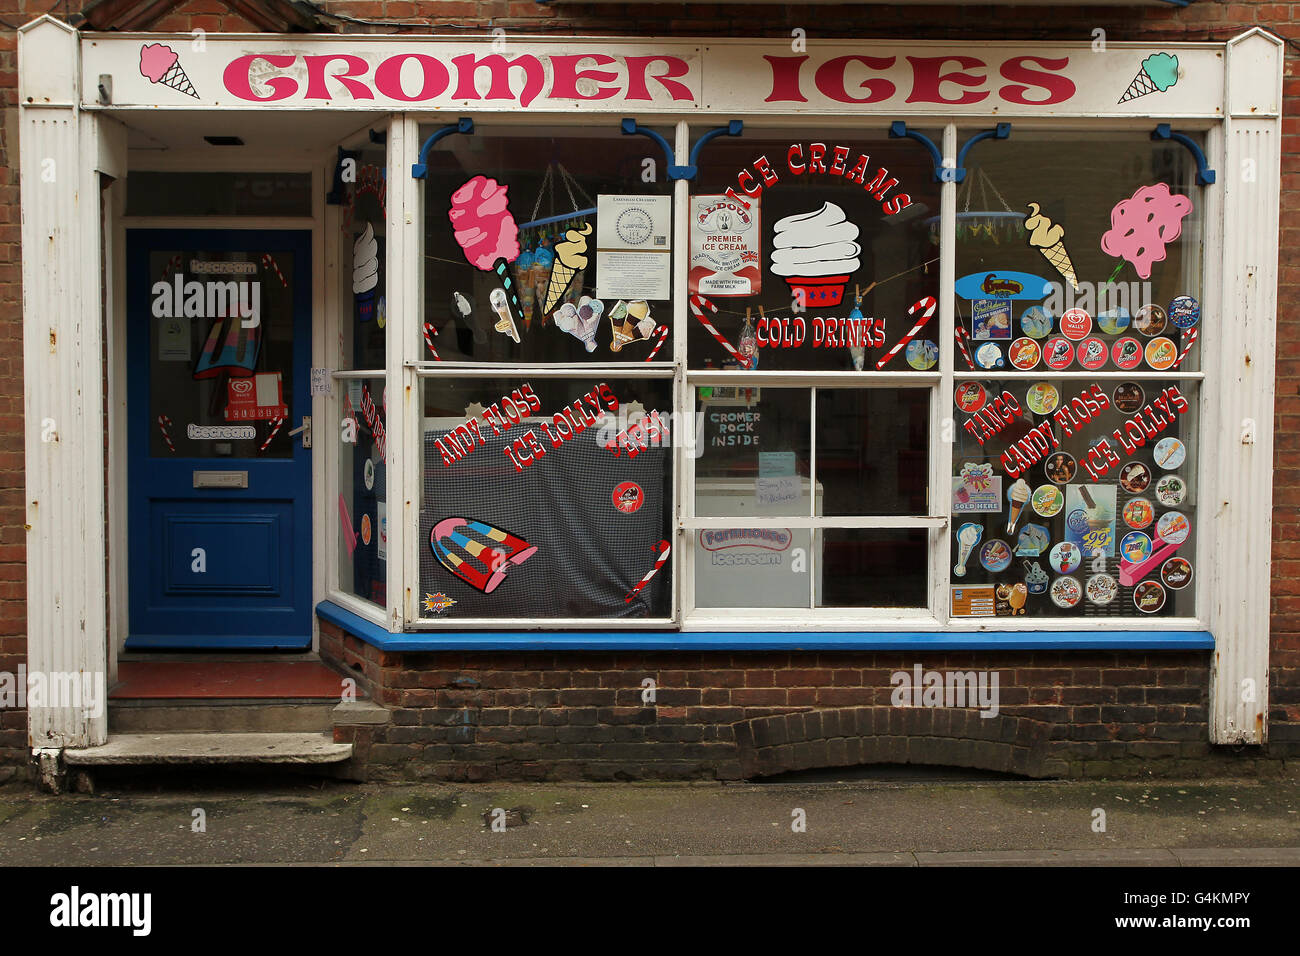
[[943, 823]]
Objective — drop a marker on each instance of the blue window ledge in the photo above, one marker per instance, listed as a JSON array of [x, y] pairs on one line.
[[1093, 640]]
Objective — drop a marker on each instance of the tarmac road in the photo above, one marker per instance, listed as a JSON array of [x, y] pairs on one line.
[[902, 822]]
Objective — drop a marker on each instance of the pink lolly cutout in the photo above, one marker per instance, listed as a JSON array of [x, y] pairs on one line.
[[345, 519], [1143, 224], [484, 227]]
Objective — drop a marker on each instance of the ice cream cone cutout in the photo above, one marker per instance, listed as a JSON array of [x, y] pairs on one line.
[[1049, 240], [505, 320], [581, 320], [570, 257], [160, 64], [968, 535], [1016, 496], [1157, 73]]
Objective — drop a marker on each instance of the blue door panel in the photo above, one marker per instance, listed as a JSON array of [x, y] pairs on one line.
[[226, 567]]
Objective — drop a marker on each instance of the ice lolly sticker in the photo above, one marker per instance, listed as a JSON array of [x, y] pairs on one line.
[[160, 64], [1049, 240], [1158, 73], [816, 253], [487, 234], [1143, 224], [479, 565]]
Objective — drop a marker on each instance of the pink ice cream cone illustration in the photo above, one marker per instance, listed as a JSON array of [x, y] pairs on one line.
[[487, 234], [160, 64]]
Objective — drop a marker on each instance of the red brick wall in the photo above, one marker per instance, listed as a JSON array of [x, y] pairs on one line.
[[1087, 683]]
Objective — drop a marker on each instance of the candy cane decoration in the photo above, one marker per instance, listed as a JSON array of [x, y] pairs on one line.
[[429, 333], [962, 335], [662, 332], [269, 261], [929, 304], [165, 423], [1189, 339], [698, 305], [662, 549], [275, 428], [173, 263]]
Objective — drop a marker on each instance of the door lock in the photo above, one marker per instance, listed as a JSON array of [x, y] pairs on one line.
[[305, 428]]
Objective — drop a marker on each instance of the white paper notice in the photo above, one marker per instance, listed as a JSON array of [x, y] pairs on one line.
[[320, 381], [776, 491], [174, 340], [634, 247]]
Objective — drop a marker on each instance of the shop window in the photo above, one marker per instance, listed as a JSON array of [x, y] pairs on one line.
[[1077, 395], [362, 295], [545, 497], [547, 245], [813, 351]]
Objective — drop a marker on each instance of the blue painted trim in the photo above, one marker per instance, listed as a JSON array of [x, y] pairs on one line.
[[1204, 175], [577, 213], [733, 128], [898, 129], [1001, 131], [465, 125], [372, 633]]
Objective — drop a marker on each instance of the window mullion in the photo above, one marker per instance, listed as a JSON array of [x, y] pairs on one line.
[[942, 415]]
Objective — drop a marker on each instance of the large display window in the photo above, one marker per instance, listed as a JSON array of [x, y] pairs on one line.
[[750, 398]]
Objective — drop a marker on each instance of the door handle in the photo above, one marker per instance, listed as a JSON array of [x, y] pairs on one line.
[[305, 429]]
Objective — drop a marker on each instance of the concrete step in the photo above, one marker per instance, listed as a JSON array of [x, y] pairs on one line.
[[211, 748], [241, 715]]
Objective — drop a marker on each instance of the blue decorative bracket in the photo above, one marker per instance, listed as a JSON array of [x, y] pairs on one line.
[[1204, 175], [733, 128], [943, 174], [420, 170]]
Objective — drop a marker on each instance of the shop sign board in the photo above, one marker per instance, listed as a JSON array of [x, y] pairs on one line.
[[658, 75]]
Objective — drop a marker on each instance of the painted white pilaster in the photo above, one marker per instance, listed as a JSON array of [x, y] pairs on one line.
[[1237, 442], [62, 378]]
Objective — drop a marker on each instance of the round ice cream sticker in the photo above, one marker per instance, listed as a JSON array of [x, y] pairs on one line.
[[1065, 557], [1135, 547], [922, 355], [1161, 353], [989, 356], [1092, 354], [1036, 322], [1127, 353], [1173, 527], [1149, 597], [1184, 312], [1076, 324], [1101, 589], [1129, 396], [1150, 320], [995, 556], [1048, 500], [1171, 490], [1066, 592], [1139, 513], [1114, 321], [1058, 354], [1042, 398], [1176, 573], [1024, 353], [970, 396], [1170, 453], [1135, 477]]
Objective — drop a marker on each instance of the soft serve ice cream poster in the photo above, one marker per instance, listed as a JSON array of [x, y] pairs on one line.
[[726, 252]]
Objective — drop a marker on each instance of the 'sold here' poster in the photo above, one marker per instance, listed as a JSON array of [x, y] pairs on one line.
[[725, 258]]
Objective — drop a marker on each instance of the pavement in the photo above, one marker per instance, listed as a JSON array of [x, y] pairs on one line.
[[908, 819]]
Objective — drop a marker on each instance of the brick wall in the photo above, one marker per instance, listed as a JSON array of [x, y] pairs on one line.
[[1104, 712], [727, 715]]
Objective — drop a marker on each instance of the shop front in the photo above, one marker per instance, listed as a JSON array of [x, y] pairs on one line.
[[510, 374]]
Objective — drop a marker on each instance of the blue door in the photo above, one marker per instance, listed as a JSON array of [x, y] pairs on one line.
[[218, 352]]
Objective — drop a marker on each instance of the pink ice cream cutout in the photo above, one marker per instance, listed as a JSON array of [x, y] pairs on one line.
[[160, 64], [1143, 224], [487, 234]]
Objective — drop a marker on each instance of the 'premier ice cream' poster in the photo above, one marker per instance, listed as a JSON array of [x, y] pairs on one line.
[[726, 248]]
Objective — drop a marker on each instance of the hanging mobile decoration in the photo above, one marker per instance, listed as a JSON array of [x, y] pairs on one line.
[[567, 259], [996, 225]]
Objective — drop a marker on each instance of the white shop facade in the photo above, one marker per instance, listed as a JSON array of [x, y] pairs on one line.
[[684, 343]]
